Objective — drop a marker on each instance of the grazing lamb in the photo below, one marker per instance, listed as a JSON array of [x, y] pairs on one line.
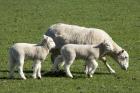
[[71, 34], [87, 52], [37, 52]]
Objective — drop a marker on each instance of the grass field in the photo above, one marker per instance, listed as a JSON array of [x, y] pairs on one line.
[[28, 20]]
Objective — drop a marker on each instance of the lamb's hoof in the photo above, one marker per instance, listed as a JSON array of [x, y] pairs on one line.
[[90, 76]]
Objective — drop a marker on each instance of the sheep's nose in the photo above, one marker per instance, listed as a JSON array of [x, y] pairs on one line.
[[124, 67]]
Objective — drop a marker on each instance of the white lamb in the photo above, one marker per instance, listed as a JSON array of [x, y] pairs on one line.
[[87, 52], [37, 52]]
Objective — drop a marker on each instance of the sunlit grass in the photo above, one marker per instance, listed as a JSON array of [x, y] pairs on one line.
[[28, 20]]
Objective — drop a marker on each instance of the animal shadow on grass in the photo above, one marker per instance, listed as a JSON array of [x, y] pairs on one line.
[[60, 73], [4, 74], [76, 75]]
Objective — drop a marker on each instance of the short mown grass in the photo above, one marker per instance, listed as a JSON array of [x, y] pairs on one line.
[[28, 20]]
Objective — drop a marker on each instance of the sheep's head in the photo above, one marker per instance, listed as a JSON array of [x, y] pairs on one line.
[[122, 58], [48, 41]]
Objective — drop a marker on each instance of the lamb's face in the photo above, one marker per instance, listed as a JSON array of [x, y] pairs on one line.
[[49, 41], [107, 46], [123, 59]]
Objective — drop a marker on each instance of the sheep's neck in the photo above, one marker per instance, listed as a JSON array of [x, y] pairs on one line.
[[116, 47]]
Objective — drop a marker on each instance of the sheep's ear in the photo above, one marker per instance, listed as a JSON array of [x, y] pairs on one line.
[[120, 52]]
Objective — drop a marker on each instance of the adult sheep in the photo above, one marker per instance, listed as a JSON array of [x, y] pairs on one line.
[[72, 34]]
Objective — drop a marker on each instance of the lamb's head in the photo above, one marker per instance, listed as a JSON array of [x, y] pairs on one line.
[[122, 58], [106, 47], [48, 41]]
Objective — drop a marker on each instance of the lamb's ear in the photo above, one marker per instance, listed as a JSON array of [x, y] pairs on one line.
[[45, 37], [106, 43]]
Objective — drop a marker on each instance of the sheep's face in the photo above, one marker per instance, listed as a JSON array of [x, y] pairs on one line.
[[49, 41], [123, 59]]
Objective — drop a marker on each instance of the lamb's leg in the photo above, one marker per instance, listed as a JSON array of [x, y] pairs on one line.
[[94, 65], [39, 70], [36, 65], [20, 67], [67, 68], [107, 65], [88, 67]]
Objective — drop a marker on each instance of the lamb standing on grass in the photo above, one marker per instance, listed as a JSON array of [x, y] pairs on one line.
[[87, 52], [37, 52], [72, 34]]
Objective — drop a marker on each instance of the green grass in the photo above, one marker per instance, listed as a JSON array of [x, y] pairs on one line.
[[28, 20]]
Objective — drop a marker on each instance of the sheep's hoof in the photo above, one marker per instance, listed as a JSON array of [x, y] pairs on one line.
[[23, 78], [112, 72], [70, 76], [86, 72], [89, 75]]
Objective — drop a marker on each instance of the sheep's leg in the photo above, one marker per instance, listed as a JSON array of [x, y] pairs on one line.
[[54, 54], [107, 65], [67, 68], [20, 68], [109, 68], [94, 65], [58, 60]]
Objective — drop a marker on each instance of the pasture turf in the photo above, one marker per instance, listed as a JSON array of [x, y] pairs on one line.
[[28, 20]]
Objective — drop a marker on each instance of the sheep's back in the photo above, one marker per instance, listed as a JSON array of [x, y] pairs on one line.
[[72, 34]]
